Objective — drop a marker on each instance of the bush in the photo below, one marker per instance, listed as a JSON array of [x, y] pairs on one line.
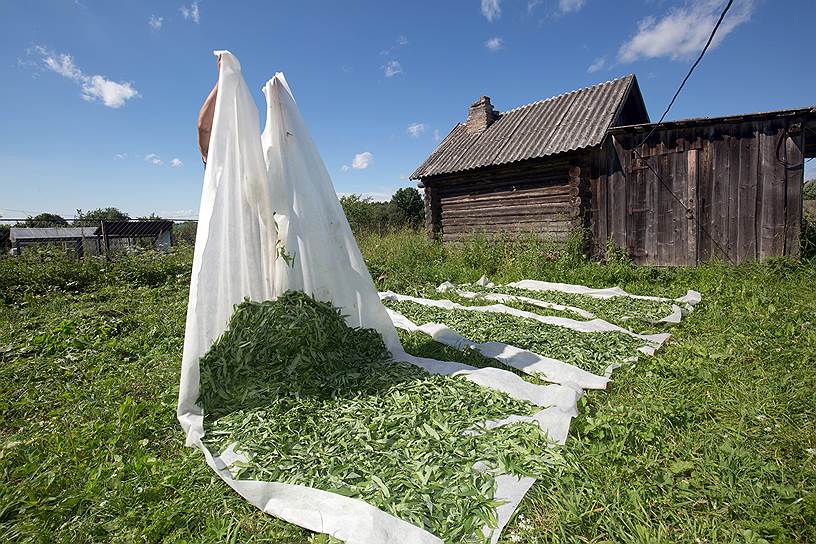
[[809, 190], [44, 269], [5, 238], [404, 210], [44, 220], [807, 239]]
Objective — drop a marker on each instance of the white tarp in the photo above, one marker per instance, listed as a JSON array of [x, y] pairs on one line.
[[688, 301], [593, 325], [270, 221], [679, 306]]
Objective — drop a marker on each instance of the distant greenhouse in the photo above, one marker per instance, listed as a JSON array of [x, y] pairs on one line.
[[78, 240], [97, 239]]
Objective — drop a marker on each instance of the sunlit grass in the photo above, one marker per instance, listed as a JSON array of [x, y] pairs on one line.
[[711, 440]]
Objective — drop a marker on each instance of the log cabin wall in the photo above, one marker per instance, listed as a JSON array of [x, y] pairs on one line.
[[730, 191], [548, 198]]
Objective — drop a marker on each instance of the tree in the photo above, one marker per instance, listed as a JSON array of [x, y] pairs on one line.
[[363, 213], [93, 217], [404, 210], [407, 202], [185, 232], [43, 220], [5, 238], [809, 191]]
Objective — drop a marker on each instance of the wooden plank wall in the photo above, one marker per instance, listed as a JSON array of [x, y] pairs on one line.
[[546, 198], [741, 182]]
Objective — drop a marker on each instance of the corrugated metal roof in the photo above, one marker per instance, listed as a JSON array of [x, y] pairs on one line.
[[567, 122], [125, 229], [809, 112], [50, 233]]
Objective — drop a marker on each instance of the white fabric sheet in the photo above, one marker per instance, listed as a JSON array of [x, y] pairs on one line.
[[270, 221]]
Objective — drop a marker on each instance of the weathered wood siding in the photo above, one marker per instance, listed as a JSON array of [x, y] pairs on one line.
[[727, 191], [546, 198]]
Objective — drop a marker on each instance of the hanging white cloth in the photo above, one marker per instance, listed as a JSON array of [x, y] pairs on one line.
[[270, 221]]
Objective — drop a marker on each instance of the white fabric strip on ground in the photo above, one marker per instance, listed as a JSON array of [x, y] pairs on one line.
[[546, 368], [688, 301], [691, 297], [512, 489], [563, 397], [502, 297], [594, 325]]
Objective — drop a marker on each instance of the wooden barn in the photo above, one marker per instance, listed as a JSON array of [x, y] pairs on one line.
[[727, 187]]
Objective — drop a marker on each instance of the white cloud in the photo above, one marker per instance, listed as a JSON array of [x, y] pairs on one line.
[[344, 168], [416, 129], [155, 22], [62, 64], [176, 163], [111, 93], [190, 12], [436, 135], [683, 31], [402, 41], [362, 160], [120, 156], [568, 6], [494, 44], [597, 65], [178, 214], [392, 68], [376, 196], [94, 87], [531, 5], [153, 159], [491, 9]]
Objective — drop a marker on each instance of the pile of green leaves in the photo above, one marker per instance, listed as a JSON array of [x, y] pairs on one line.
[[619, 310], [590, 351], [318, 403]]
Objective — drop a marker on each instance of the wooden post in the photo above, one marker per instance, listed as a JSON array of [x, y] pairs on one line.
[[105, 240], [691, 205], [575, 202], [794, 180], [433, 212]]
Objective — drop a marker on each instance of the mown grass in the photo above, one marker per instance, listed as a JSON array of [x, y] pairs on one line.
[[712, 440]]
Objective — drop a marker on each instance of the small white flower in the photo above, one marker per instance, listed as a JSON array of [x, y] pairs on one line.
[[810, 451], [767, 429]]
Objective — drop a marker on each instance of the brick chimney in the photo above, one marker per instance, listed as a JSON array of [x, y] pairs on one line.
[[480, 116]]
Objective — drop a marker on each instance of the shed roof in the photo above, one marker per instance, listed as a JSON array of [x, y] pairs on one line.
[[807, 112], [567, 122], [49, 233], [127, 229]]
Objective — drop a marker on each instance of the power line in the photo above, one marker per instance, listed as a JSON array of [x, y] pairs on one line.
[[689, 213], [693, 66]]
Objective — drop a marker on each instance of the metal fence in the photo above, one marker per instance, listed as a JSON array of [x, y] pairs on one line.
[[82, 237]]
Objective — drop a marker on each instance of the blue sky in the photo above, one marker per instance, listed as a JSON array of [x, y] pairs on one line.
[[100, 98]]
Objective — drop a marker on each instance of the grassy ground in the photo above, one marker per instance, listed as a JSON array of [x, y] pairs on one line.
[[712, 440]]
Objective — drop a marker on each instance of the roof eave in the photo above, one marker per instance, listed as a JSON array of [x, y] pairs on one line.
[[696, 121]]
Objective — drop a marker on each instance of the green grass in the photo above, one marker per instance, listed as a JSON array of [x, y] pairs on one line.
[[708, 441]]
